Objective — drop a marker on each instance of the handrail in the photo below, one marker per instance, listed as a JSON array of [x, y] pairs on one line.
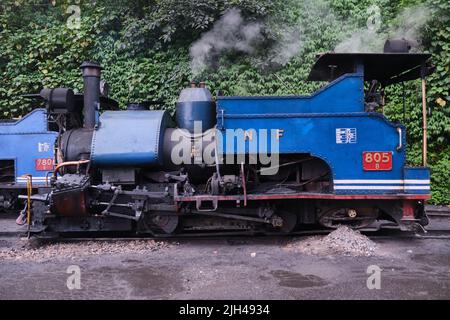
[[400, 139]]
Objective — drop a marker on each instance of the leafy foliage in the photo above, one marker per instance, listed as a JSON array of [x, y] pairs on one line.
[[144, 47]]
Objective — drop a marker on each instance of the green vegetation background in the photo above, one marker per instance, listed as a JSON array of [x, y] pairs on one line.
[[144, 47]]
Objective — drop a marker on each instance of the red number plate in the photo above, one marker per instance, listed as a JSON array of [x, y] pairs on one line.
[[377, 160], [44, 164]]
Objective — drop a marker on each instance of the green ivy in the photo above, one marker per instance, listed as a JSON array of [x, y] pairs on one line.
[[144, 47]]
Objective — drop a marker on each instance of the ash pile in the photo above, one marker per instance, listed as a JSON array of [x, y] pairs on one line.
[[342, 241]]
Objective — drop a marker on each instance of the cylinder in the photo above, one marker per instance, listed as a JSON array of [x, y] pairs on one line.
[[129, 139], [195, 106], [91, 77], [60, 100], [397, 46], [75, 144]]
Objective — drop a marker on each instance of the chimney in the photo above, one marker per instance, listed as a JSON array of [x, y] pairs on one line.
[[397, 46], [91, 77]]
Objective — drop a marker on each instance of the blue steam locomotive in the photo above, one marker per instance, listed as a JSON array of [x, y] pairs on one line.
[[236, 164]]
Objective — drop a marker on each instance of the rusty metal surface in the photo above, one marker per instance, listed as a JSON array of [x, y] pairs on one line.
[[71, 203]]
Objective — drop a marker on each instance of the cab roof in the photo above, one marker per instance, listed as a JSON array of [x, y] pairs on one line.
[[387, 68]]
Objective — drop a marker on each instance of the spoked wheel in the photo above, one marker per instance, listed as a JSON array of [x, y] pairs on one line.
[[355, 218]]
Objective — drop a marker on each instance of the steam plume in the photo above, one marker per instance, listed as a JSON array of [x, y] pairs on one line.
[[230, 33], [272, 42], [408, 24]]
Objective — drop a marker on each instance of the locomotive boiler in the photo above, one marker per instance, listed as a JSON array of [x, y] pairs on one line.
[[233, 164]]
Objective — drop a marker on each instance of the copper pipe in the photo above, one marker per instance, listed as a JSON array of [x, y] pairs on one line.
[[68, 163], [424, 124], [46, 177]]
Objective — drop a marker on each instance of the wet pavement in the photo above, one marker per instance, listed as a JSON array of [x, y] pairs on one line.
[[240, 268]]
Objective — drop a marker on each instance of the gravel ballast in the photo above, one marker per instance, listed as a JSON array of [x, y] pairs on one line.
[[74, 250], [342, 241]]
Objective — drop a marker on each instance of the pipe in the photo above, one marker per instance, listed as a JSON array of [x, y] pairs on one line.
[[244, 184], [91, 92], [403, 102], [424, 120], [29, 192], [68, 163]]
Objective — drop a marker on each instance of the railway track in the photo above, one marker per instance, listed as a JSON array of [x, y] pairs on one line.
[[232, 236], [435, 213]]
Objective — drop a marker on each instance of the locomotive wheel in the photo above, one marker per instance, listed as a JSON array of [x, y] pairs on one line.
[[9, 200], [289, 221], [167, 223], [355, 218]]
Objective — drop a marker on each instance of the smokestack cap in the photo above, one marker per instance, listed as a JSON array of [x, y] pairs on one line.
[[195, 94], [91, 69]]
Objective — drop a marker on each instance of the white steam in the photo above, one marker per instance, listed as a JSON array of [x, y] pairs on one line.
[[230, 33], [369, 39], [288, 44], [233, 34], [411, 21], [273, 42]]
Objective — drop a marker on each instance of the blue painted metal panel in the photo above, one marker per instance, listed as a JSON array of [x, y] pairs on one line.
[[34, 122], [417, 180], [25, 141], [322, 135], [330, 124], [129, 138], [345, 94]]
